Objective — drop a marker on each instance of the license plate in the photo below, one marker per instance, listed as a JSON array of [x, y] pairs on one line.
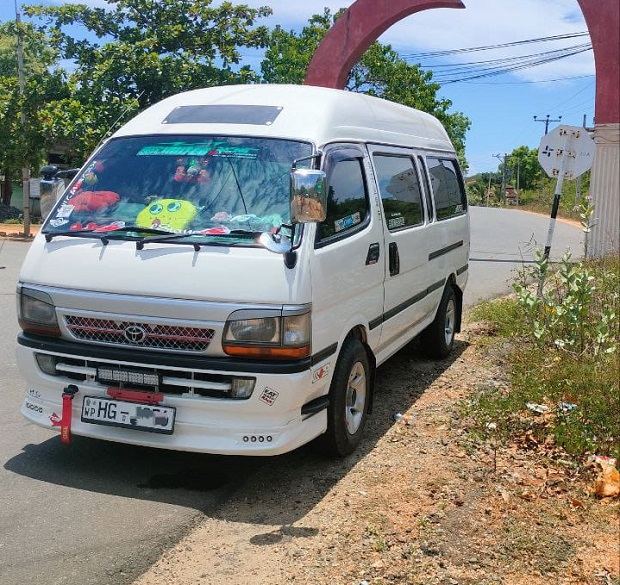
[[130, 415]]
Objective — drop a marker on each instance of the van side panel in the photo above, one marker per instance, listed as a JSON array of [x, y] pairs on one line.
[[347, 265]]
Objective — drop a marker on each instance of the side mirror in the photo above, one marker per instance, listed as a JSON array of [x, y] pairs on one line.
[[308, 196]]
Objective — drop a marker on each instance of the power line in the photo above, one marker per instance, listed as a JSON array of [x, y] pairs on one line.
[[533, 81], [468, 72], [409, 56], [457, 73], [455, 68]]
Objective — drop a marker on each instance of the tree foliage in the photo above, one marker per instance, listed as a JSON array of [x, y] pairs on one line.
[[137, 52], [380, 72], [146, 50], [523, 163], [23, 142]]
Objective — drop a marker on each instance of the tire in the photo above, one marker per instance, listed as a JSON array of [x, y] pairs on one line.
[[349, 397], [438, 338]]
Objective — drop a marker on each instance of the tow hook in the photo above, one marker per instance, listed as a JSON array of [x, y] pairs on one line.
[[65, 424]]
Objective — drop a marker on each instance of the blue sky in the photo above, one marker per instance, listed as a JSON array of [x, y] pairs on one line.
[[501, 108]]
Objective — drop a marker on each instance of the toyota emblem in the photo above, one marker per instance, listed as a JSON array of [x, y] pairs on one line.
[[135, 334]]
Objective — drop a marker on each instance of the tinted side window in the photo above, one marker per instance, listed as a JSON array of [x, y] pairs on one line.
[[400, 190], [347, 203], [449, 196]]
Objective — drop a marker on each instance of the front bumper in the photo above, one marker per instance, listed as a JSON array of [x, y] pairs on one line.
[[270, 422]]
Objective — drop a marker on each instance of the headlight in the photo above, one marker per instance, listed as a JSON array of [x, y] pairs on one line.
[[255, 330], [268, 334], [36, 312]]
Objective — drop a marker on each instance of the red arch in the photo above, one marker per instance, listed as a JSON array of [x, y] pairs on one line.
[[603, 20], [366, 20], [360, 26]]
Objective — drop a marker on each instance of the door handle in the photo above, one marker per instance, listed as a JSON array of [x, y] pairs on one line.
[[373, 254], [394, 259]]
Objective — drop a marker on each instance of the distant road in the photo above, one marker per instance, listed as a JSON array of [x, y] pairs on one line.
[[503, 239]]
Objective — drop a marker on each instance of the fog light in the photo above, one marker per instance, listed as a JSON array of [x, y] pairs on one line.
[[242, 387], [47, 363]]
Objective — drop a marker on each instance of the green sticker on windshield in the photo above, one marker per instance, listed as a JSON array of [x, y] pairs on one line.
[[214, 148]]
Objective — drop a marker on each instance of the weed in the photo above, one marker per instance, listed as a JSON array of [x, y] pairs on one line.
[[562, 347], [538, 544], [379, 542]]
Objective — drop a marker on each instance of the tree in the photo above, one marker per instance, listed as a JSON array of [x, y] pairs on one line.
[[524, 162], [23, 145], [145, 51], [380, 72], [137, 52], [288, 54]]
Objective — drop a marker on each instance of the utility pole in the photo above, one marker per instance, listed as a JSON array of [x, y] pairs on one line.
[[503, 161], [518, 180], [546, 121], [22, 87]]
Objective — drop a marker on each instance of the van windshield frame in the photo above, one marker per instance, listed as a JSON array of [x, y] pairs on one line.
[[209, 188]]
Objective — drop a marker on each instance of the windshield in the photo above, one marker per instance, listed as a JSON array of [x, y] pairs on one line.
[[196, 185]]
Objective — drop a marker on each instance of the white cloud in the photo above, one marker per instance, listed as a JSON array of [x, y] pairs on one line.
[[481, 23]]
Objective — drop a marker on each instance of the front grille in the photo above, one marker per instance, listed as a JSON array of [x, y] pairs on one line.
[[138, 334], [171, 381]]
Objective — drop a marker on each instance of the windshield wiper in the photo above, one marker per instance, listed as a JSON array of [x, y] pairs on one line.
[[155, 235], [165, 238], [104, 234], [172, 238], [49, 236]]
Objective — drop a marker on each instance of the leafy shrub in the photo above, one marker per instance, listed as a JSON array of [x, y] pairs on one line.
[[564, 356]]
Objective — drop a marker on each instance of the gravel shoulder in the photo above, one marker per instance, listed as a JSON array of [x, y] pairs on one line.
[[419, 503]]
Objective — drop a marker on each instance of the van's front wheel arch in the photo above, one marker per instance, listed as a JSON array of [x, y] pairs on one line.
[[349, 400]]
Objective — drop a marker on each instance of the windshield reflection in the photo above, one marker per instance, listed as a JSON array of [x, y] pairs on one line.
[[201, 186]]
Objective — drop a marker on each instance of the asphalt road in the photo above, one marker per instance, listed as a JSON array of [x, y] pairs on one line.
[[504, 241], [100, 513]]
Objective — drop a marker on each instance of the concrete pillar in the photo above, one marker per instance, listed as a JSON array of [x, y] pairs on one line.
[[603, 20], [605, 192]]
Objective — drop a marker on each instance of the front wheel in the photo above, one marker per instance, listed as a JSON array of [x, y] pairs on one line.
[[348, 401], [438, 337]]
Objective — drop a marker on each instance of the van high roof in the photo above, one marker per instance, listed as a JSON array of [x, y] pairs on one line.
[[300, 112]]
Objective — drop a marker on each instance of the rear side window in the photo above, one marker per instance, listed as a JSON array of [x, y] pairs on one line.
[[401, 194], [447, 187], [347, 201]]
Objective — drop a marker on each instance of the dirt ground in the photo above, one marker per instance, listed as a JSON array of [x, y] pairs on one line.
[[16, 230], [419, 503]]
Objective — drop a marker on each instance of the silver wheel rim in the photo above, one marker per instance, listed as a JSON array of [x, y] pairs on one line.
[[356, 398], [449, 322]]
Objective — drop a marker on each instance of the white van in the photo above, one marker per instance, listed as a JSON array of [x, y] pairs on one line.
[[227, 271]]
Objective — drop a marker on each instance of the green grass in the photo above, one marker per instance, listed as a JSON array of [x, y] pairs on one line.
[[562, 348]]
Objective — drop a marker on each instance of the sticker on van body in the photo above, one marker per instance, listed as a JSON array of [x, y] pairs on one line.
[[213, 149], [320, 373], [347, 222], [64, 211], [269, 396]]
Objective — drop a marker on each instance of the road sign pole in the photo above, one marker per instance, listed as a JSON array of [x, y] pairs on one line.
[[563, 154], [556, 197]]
